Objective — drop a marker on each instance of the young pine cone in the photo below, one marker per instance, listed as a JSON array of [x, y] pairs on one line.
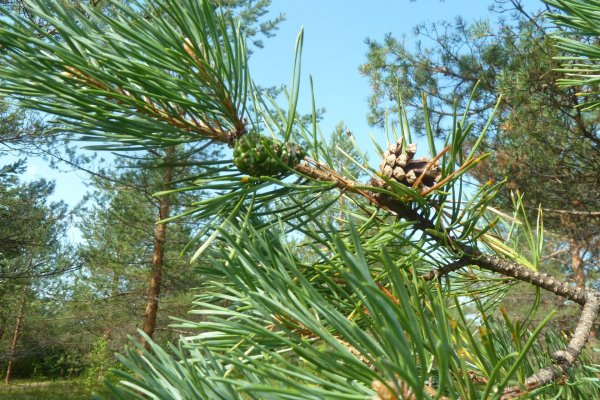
[[258, 155], [398, 164]]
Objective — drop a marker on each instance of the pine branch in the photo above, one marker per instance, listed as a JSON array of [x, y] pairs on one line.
[[467, 255], [445, 270]]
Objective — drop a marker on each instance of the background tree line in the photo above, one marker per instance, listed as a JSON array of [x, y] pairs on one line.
[[63, 301]]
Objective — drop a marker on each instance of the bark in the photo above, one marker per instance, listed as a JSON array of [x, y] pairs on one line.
[[158, 256], [577, 263], [16, 335]]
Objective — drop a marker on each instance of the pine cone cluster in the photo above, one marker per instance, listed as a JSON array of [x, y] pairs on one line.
[[258, 155], [399, 165]]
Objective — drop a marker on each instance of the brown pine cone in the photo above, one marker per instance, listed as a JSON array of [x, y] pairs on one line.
[[399, 164]]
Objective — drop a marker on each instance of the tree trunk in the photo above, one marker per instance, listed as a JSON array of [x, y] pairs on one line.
[[575, 249], [158, 256], [16, 335]]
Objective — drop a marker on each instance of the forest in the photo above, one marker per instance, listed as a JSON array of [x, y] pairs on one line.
[[228, 248]]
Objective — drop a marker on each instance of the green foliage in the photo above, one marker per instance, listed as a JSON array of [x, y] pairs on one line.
[[117, 225], [580, 19], [277, 328], [99, 361], [124, 67], [31, 222], [32, 254], [293, 306], [19, 129], [45, 390], [251, 14], [105, 291], [540, 140], [211, 87], [43, 357]]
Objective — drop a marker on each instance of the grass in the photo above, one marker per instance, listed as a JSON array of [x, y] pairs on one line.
[[73, 389]]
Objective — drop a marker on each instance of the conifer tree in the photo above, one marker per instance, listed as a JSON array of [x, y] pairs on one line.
[[541, 138], [33, 251], [396, 303]]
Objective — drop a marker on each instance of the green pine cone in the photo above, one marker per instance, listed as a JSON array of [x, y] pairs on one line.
[[258, 155]]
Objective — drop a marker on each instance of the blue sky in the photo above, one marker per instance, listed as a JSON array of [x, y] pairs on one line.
[[334, 35], [334, 48]]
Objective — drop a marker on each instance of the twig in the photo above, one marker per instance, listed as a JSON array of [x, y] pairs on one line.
[[572, 212], [446, 269]]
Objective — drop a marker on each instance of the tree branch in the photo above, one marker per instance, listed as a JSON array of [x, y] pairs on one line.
[[572, 212], [467, 255]]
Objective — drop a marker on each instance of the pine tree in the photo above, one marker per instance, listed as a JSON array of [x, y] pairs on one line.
[[118, 225], [32, 253], [541, 138], [396, 303], [251, 17]]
